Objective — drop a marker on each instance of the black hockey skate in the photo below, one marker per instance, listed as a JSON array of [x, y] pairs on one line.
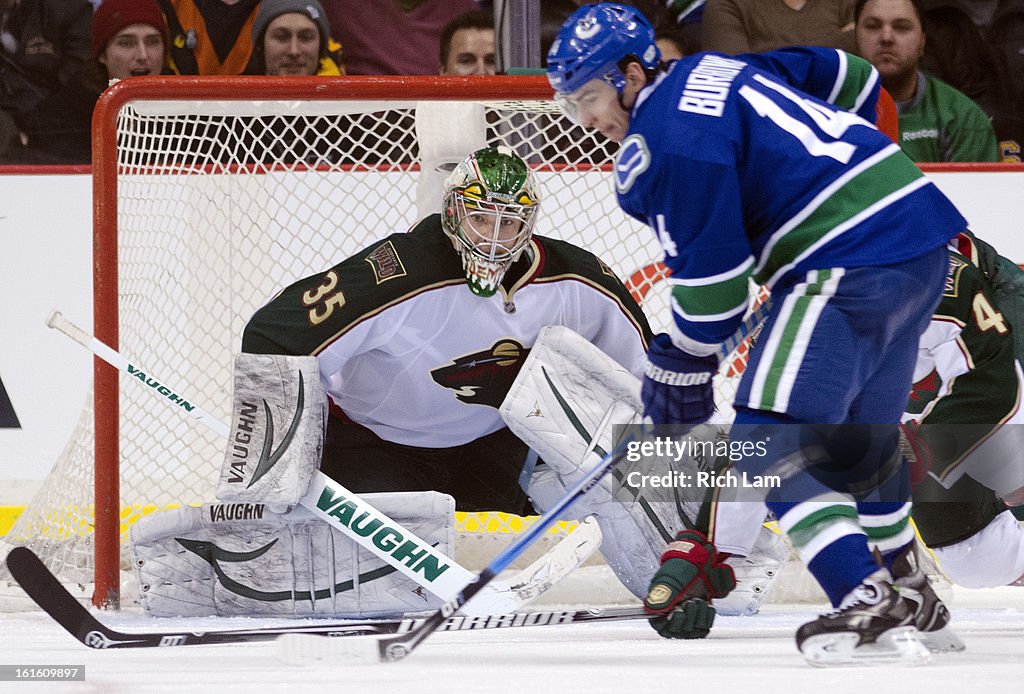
[[931, 616], [874, 624]]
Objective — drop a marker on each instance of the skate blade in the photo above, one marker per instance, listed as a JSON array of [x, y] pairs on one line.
[[943, 640], [899, 646]]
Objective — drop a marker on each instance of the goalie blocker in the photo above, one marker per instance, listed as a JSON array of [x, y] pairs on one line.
[[273, 393]]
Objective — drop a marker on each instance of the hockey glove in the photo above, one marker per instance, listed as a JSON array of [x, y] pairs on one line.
[[677, 387], [692, 572], [916, 452]]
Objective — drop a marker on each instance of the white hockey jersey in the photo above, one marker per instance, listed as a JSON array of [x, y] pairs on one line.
[[406, 349]]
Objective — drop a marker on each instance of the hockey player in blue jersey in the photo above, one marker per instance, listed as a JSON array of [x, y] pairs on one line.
[[768, 168]]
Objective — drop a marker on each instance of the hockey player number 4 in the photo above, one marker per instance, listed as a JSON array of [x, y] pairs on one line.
[[986, 316]]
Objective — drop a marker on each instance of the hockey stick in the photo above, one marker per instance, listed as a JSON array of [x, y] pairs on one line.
[[43, 587], [390, 648], [300, 649], [749, 328], [333, 503]]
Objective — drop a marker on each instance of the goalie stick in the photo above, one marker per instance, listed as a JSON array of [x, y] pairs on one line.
[[325, 494], [46, 590]]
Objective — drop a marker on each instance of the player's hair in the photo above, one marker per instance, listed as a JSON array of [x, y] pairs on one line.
[[476, 19], [917, 4]]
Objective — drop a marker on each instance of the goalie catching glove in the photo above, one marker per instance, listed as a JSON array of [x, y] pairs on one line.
[[692, 573], [677, 387]]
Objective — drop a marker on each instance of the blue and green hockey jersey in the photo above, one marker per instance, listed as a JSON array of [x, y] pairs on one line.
[[766, 166]]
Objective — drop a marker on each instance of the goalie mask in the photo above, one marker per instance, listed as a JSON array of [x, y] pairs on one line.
[[490, 207]]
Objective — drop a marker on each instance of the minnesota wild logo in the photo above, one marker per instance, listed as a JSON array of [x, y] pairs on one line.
[[923, 392], [483, 378]]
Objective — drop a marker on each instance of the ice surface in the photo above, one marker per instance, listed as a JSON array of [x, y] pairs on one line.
[[743, 654]]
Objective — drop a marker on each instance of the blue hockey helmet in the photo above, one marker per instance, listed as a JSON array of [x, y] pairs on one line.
[[592, 42]]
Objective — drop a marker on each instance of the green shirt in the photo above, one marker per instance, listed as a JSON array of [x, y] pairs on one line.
[[942, 124]]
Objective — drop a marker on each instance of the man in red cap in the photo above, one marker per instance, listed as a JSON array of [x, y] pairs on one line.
[[129, 38]]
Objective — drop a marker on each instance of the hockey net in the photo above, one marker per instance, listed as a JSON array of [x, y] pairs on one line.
[[212, 194]]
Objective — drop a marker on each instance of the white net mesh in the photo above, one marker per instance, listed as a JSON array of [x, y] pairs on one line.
[[222, 203]]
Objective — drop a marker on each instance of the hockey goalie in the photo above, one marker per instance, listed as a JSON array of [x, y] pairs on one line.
[[391, 372]]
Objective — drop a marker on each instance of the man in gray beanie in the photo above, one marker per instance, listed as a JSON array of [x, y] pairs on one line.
[[291, 37]]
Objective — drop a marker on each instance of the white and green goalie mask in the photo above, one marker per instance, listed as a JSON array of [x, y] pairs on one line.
[[490, 207]]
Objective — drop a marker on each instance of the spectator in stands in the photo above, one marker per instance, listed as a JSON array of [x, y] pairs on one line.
[[392, 38], [291, 37], [679, 26], [43, 45], [553, 14], [1006, 36], [210, 37], [129, 39], [674, 40], [957, 53], [745, 26], [937, 122], [467, 45]]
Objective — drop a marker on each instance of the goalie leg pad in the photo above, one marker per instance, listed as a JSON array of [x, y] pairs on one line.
[[241, 559], [564, 404], [634, 530], [278, 419]]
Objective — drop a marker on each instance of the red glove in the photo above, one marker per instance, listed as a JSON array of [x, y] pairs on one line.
[[692, 573]]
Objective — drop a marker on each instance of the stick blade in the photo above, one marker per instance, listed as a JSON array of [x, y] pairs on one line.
[[47, 592], [39, 582], [557, 563]]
